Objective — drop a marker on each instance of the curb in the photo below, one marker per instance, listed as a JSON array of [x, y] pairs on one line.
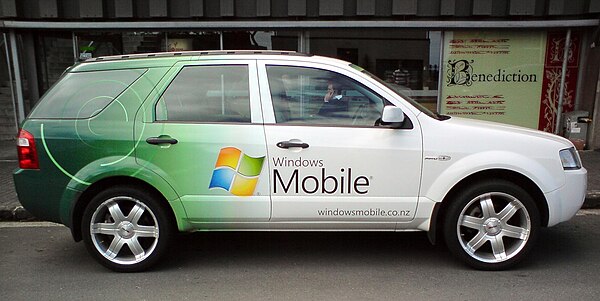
[[592, 200], [19, 214]]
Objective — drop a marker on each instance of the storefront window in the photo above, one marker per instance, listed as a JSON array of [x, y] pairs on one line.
[[98, 44], [193, 40], [231, 40], [54, 53], [143, 42], [406, 59], [102, 44]]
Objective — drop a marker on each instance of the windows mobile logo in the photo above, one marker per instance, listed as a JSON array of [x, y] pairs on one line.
[[236, 172]]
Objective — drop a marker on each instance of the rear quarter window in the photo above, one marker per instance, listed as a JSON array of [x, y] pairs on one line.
[[83, 95]]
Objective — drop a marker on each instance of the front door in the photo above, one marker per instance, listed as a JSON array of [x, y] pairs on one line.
[[205, 137], [328, 160]]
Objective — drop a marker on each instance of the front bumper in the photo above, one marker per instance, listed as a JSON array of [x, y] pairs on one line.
[[564, 202]]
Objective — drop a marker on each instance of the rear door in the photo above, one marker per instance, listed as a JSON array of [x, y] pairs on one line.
[[203, 133]]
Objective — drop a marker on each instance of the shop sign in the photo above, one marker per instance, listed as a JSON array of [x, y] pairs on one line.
[[504, 76]]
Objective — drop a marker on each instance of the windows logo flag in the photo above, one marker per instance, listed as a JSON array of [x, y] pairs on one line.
[[236, 172]]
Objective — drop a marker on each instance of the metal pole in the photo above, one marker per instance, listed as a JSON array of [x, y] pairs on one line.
[[307, 41], [440, 79], [75, 52], [595, 121], [10, 78], [221, 40], [166, 41], [304, 41], [300, 45], [562, 81], [19, 87], [583, 60]]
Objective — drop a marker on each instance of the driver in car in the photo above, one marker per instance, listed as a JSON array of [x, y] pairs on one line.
[[334, 105]]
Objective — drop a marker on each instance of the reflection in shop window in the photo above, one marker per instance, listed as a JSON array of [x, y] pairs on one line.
[[406, 59], [260, 40], [232, 40], [143, 42], [91, 45], [193, 40], [55, 55]]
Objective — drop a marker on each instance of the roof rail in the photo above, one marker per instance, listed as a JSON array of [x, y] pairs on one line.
[[194, 53]]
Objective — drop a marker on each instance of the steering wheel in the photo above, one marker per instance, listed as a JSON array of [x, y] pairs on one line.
[[378, 122]]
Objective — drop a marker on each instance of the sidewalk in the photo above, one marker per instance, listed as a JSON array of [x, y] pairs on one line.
[[10, 208]]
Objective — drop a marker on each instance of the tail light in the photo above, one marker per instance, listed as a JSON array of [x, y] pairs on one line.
[[28, 158]]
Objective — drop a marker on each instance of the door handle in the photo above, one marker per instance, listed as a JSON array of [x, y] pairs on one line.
[[288, 144], [161, 140]]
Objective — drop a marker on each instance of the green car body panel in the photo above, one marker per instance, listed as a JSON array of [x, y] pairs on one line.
[[104, 145]]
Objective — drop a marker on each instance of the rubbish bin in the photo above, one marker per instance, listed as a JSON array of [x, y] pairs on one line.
[[576, 127]]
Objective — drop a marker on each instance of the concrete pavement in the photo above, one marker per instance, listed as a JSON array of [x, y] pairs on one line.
[[11, 210], [43, 263]]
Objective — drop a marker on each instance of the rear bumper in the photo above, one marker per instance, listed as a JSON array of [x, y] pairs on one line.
[[564, 202], [42, 201]]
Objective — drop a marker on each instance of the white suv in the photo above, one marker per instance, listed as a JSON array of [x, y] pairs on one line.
[[271, 141]]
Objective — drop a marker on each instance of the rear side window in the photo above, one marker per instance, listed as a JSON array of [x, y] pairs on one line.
[[207, 94], [83, 95]]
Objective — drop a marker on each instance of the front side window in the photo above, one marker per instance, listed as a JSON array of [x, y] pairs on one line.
[[314, 96], [207, 94]]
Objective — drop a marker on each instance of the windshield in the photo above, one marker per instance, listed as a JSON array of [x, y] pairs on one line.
[[399, 90]]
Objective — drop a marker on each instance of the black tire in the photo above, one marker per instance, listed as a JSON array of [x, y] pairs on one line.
[[126, 229], [479, 230]]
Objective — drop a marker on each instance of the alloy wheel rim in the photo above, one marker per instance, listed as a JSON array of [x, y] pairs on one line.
[[493, 227], [124, 230]]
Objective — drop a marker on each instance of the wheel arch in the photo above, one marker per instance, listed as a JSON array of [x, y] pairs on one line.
[[87, 195], [508, 175]]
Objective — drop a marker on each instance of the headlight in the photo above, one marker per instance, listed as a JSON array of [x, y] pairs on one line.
[[569, 159]]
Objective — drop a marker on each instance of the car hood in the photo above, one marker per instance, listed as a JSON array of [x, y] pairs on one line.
[[490, 127]]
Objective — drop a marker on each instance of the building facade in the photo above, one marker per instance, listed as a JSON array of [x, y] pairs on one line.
[[532, 63]]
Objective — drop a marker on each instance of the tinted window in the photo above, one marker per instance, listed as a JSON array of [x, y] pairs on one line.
[[314, 96], [207, 94], [82, 95]]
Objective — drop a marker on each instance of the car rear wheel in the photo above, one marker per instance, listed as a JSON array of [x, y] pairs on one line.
[[492, 225], [126, 229]]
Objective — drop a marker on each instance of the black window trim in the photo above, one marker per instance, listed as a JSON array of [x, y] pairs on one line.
[[406, 125]]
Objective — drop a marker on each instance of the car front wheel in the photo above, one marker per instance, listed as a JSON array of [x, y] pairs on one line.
[[126, 229], [491, 225]]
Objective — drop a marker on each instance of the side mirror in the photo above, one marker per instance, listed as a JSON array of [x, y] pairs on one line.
[[392, 116]]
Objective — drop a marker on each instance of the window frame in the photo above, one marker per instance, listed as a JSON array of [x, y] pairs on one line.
[[359, 78], [253, 92]]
